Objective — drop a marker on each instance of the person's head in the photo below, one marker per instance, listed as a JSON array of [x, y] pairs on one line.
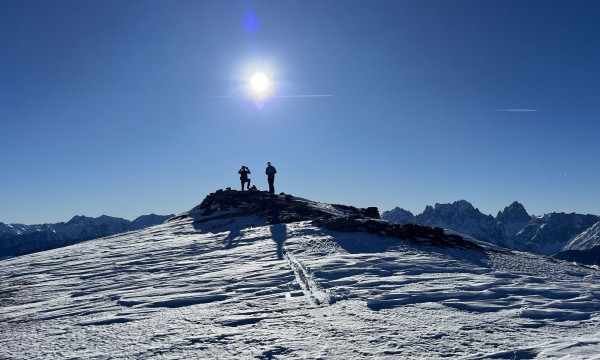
[[268, 163]]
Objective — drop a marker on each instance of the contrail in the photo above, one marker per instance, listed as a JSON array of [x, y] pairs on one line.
[[302, 96], [514, 110]]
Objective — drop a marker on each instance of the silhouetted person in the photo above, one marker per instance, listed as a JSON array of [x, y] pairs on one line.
[[244, 171], [271, 171]]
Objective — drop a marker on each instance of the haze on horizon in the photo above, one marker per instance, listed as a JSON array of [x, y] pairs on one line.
[[126, 108]]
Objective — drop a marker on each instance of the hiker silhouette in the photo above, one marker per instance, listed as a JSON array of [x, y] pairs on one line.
[[244, 171], [271, 171]]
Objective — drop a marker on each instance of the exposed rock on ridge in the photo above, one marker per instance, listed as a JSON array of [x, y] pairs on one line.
[[287, 209]]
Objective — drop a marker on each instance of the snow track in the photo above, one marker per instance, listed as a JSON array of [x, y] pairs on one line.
[[307, 282]]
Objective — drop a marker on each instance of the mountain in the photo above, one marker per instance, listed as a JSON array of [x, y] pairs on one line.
[[548, 234], [588, 239], [513, 218], [584, 248], [19, 239], [399, 215], [249, 275], [461, 216], [512, 227]]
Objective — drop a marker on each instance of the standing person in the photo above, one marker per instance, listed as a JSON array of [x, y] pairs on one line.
[[271, 171], [244, 171]]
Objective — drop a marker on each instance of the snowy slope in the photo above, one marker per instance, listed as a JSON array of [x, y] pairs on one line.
[[584, 248], [588, 239], [222, 282]]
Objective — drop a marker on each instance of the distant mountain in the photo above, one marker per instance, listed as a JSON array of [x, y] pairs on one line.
[[399, 215], [588, 239], [20, 239], [460, 216], [548, 234], [512, 227], [513, 218], [584, 248]]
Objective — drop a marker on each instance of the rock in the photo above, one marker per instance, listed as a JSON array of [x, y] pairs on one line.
[[284, 209], [371, 212]]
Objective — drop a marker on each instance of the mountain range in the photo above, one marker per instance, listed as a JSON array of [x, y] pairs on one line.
[[19, 239], [575, 237]]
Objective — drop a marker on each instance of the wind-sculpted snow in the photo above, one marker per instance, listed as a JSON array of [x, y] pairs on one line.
[[230, 284]]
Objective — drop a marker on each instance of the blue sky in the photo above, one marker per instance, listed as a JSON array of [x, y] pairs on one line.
[[130, 107]]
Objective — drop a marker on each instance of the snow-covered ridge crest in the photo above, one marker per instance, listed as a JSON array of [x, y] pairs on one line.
[[240, 278]]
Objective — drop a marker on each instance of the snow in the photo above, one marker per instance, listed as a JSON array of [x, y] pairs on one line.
[[586, 240], [236, 287]]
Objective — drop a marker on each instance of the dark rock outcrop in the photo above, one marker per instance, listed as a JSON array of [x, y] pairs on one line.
[[286, 209]]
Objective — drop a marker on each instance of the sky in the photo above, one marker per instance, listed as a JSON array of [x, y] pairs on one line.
[[125, 108]]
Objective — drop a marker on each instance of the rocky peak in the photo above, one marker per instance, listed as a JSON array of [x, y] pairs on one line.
[[514, 213], [76, 219], [446, 212], [398, 215], [464, 218]]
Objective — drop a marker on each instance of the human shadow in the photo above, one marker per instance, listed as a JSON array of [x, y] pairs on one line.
[[234, 237], [233, 226], [279, 235]]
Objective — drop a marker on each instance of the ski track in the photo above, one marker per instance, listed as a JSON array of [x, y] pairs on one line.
[[238, 288]]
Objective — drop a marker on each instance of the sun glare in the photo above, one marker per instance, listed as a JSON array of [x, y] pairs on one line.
[[259, 83]]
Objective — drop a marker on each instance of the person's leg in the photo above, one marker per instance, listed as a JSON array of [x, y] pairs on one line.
[[242, 184], [271, 184]]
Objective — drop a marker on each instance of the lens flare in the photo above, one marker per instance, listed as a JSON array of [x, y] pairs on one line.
[[259, 82]]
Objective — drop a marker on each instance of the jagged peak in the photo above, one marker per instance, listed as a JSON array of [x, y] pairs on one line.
[[76, 219], [514, 212], [460, 205]]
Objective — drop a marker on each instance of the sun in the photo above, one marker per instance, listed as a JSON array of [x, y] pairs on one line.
[[260, 84]]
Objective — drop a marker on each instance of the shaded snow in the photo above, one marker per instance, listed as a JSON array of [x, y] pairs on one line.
[[236, 287]]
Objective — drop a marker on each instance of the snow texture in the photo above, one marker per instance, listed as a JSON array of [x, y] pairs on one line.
[[229, 285]]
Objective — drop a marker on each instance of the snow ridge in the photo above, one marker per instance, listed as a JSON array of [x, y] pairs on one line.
[[249, 275]]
